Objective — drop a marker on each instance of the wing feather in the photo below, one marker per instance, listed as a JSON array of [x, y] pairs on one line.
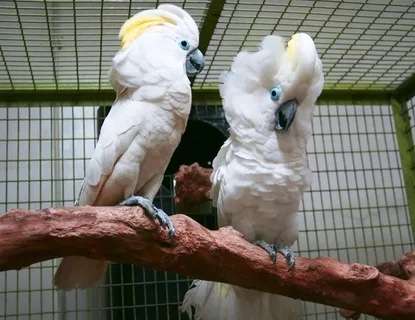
[[219, 166], [117, 133]]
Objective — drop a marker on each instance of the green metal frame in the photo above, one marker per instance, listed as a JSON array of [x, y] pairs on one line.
[[107, 96], [401, 118], [58, 97], [209, 25], [406, 152], [406, 90]]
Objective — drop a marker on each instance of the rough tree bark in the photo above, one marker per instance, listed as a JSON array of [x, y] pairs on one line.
[[402, 269], [192, 186], [126, 235]]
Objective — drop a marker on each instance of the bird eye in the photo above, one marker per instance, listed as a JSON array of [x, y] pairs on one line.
[[184, 45], [276, 93]]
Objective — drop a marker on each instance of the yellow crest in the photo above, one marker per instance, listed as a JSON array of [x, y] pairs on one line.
[[292, 46], [135, 26]]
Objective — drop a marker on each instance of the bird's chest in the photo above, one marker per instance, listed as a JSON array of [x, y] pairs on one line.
[[159, 141], [260, 201]]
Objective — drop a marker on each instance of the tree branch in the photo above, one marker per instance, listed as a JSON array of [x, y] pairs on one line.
[[402, 269], [124, 234]]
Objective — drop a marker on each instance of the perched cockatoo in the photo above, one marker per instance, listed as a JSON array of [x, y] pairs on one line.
[[145, 124], [261, 171]]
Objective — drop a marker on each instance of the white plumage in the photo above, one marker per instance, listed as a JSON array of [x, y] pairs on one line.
[[145, 123], [259, 174]]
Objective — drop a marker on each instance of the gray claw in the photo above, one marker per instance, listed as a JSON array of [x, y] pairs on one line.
[[269, 248], [165, 221], [152, 211], [288, 254]]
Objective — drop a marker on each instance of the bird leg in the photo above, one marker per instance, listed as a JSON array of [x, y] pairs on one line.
[[269, 248], [272, 250], [288, 254], [152, 211]]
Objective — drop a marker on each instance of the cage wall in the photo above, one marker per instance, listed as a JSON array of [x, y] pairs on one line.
[[355, 210]]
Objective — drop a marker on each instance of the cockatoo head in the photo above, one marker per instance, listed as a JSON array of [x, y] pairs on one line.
[[275, 88], [165, 30]]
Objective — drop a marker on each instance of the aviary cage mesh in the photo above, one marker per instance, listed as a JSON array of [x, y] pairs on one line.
[[53, 77]]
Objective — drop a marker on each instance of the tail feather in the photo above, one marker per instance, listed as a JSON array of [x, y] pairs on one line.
[[79, 272], [220, 301]]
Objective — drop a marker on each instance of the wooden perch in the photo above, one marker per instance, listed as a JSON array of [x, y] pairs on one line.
[[402, 269], [124, 234]]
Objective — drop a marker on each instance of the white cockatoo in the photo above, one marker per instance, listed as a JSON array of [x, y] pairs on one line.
[[150, 75], [261, 171]]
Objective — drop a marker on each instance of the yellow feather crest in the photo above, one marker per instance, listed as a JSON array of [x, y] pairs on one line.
[[135, 26], [292, 46]]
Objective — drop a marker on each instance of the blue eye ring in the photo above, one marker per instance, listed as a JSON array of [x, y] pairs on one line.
[[276, 93], [184, 45]]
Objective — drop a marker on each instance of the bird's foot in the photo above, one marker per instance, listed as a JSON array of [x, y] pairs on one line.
[[152, 211], [288, 254], [269, 248], [272, 250]]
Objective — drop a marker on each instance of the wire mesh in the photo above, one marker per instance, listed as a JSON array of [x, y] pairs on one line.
[[356, 209], [66, 44], [363, 44], [69, 44], [43, 152]]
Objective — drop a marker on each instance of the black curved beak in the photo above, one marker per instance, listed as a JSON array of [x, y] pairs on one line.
[[285, 114], [195, 61]]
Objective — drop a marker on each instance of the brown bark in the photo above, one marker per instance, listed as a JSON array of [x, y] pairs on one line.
[[126, 235], [192, 186], [402, 269]]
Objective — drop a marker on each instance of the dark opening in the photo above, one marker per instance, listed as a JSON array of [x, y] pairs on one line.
[[200, 143]]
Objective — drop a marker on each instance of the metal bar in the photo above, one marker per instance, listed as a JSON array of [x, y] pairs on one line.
[[209, 24], [61, 97], [406, 90], [208, 27], [406, 152], [356, 96], [26, 48], [107, 96], [75, 40], [6, 67], [48, 24], [218, 46], [101, 21]]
